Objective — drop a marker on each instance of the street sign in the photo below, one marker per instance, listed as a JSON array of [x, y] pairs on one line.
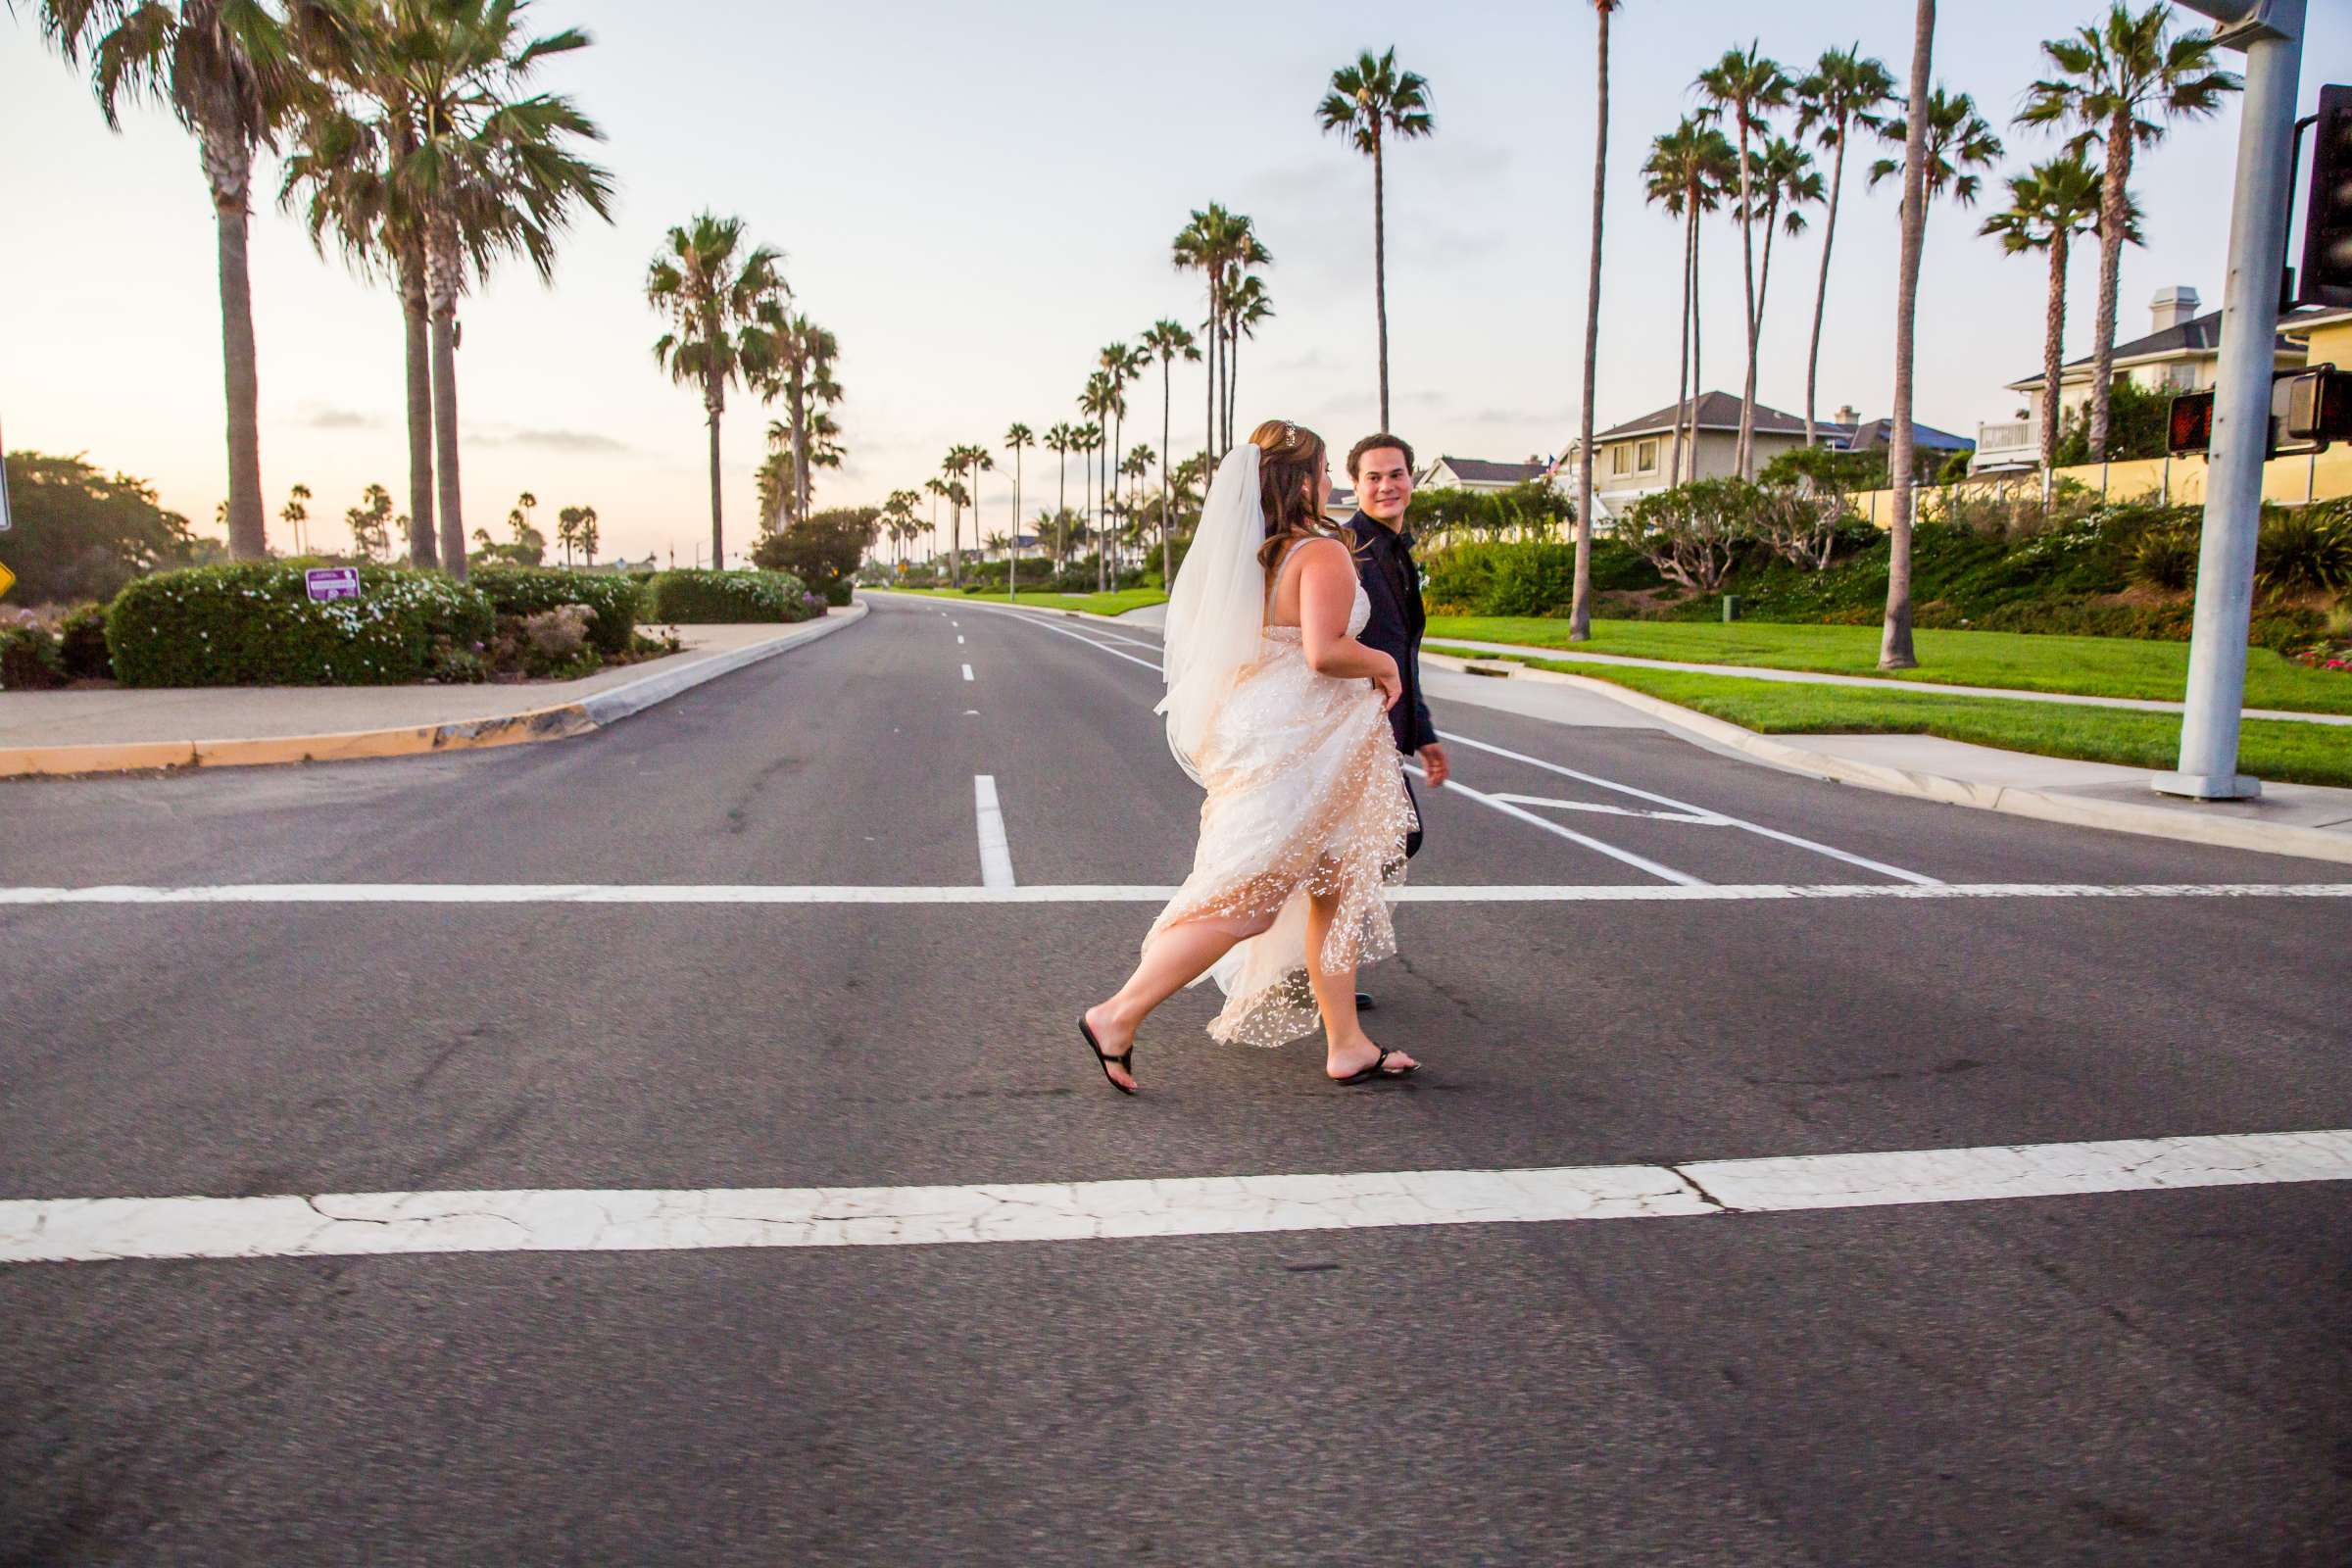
[[8, 578], [332, 582]]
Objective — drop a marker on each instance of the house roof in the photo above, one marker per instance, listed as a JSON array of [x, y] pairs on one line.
[[2195, 337], [1716, 411], [1479, 472], [1874, 433]]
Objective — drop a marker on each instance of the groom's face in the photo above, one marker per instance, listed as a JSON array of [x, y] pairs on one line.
[[1384, 485]]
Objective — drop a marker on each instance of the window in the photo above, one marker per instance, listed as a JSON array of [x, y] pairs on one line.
[[1620, 460], [1645, 457]]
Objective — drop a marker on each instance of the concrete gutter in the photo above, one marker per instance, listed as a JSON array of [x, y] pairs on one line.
[[2186, 825], [558, 722]]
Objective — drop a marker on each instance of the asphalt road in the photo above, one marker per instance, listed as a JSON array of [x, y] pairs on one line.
[[2144, 1377]]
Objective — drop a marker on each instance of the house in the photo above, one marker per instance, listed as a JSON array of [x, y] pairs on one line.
[[2178, 353], [1476, 473], [1637, 457]]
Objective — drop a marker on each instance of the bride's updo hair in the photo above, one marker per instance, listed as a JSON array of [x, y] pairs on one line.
[[1290, 468]]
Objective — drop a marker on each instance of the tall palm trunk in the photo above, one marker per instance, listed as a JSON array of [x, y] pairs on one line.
[[416, 322], [1682, 361], [1208, 437], [714, 404], [1580, 602], [1821, 289], [228, 170], [443, 273], [1168, 394], [1743, 452], [2053, 339], [1380, 267], [1118, 430], [1233, 393], [1061, 506], [1102, 456], [1895, 643], [800, 445], [2114, 201], [1772, 213], [1012, 562]]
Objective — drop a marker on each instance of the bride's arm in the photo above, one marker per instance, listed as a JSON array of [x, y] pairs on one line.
[[1326, 597]]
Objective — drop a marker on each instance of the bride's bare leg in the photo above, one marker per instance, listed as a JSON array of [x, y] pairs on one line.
[[1347, 1049], [1181, 954]]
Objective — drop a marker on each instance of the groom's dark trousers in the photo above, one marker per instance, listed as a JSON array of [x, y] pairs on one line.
[[1384, 562]]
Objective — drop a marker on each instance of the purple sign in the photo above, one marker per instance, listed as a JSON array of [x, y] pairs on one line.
[[332, 582]]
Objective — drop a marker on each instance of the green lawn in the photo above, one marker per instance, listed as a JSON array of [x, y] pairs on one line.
[[2088, 667], [2272, 749], [1110, 603]]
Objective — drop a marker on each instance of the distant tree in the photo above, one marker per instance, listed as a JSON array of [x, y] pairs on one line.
[[295, 513], [1370, 103], [2049, 205], [1845, 89], [83, 535], [712, 297], [371, 521], [823, 549]]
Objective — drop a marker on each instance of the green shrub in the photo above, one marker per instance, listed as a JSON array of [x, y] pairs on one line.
[[81, 643], [615, 600], [254, 625], [2165, 558], [30, 660], [823, 549], [2309, 551], [702, 596]]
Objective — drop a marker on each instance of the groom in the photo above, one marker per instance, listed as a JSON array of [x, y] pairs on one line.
[[1381, 467]]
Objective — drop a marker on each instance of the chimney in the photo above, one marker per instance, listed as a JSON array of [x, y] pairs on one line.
[[1845, 414], [2171, 306]]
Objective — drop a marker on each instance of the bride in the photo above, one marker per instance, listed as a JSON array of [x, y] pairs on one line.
[[1277, 711]]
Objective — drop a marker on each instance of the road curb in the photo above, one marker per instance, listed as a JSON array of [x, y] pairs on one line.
[[558, 721], [2122, 816]]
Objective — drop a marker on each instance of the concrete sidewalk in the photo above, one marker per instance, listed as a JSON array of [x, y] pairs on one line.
[[2301, 820], [130, 729], [1811, 678]]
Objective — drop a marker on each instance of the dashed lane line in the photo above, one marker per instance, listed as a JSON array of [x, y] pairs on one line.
[[996, 850], [93, 1230]]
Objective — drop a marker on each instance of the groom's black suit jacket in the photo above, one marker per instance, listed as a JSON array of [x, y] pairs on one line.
[[1384, 563]]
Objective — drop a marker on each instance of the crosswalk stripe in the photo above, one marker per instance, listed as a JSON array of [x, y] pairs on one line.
[[356, 1224]]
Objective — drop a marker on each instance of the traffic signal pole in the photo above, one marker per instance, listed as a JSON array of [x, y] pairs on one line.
[[2270, 32]]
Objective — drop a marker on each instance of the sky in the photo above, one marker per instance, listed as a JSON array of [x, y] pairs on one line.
[[976, 198]]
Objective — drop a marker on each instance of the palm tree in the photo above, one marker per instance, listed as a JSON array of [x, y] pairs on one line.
[[713, 302], [567, 529], [976, 462], [587, 533], [1016, 437], [1096, 401], [1686, 174], [492, 172], [952, 468], [1169, 341], [1121, 365], [295, 514], [2120, 81], [1785, 184], [788, 356], [1247, 304], [1843, 90], [938, 489], [2049, 205], [230, 74], [1369, 102], [1580, 600], [1220, 245], [1062, 441], [1741, 85]]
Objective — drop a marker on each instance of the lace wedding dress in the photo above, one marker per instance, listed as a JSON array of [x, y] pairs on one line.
[[1304, 795]]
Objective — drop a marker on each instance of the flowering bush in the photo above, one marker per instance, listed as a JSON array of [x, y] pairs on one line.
[[255, 625], [702, 596], [615, 598]]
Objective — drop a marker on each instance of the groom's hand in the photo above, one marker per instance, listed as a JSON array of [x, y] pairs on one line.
[[1434, 763]]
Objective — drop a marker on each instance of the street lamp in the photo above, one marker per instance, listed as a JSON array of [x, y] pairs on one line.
[[2270, 33]]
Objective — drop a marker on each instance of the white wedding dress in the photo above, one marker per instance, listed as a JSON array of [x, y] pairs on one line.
[[1305, 794]]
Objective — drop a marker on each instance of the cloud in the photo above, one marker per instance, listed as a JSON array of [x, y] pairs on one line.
[[322, 418], [551, 440]]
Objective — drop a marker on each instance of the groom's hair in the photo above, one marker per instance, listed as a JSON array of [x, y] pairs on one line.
[[1373, 443]]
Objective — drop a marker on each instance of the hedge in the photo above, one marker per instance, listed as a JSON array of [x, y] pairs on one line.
[[254, 625], [615, 598], [704, 596]]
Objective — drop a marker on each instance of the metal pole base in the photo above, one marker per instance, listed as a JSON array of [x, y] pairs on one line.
[[2208, 786]]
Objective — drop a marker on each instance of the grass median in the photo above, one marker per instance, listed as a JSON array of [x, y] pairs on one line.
[[2081, 666], [1117, 603], [2271, 749]]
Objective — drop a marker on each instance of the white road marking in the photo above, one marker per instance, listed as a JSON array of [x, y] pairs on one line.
[[959, 639], [1637, 861], [1128, 893], [995, 851], [1152, 664], [87, 1230], [967, 673], [1699, 819], [1880, 867]]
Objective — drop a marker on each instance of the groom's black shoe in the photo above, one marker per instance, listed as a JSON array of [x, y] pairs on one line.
[[1365, 1001]]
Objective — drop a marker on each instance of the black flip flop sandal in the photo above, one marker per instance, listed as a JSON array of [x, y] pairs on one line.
[[1377, 1071], [1108, 1061]]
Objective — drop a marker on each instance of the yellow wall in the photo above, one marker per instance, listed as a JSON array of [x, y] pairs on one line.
[[2176, 482]]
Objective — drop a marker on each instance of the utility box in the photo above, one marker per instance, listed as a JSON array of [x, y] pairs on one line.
[[1731, 608]]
